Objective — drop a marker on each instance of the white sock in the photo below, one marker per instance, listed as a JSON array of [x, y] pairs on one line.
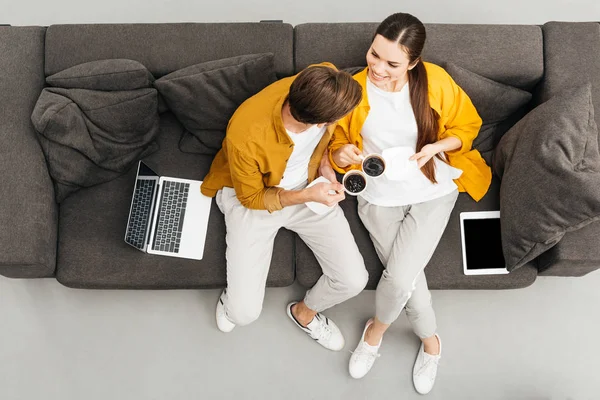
[[371, 349]]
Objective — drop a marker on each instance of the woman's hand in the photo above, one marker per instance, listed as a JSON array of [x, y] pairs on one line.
[[346, 155], [427, 152]]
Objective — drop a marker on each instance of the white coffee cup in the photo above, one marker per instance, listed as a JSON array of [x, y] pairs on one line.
[[355, 182], [373, 165]]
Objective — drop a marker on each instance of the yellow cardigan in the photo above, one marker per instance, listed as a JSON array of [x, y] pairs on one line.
[[458, 118], [257, 148]]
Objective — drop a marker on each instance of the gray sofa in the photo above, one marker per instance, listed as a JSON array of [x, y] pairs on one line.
[[81, 242]]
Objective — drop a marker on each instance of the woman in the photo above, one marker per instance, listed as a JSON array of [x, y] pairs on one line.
[[408, 103]]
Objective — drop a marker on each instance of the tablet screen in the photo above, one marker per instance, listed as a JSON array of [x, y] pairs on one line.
[[483, 244]]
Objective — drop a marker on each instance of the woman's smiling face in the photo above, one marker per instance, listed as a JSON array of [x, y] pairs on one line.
[[388, 64]]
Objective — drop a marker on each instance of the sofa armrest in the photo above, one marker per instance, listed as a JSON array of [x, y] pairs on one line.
[[571, 58], [28, 212], [576, 254]]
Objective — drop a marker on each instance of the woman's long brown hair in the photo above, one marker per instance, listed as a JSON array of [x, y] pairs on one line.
[[409, 33]]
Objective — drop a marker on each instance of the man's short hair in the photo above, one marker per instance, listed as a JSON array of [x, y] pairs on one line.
[[321, 95]]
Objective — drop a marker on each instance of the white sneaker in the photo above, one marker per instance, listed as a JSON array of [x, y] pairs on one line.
[[322, 329], [364, 356], [224, 324], [425, 369]]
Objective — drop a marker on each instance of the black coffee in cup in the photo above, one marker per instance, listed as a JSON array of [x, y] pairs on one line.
[[373, 166], [355, 183]]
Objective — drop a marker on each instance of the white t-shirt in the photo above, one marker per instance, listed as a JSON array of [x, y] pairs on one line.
[[391, 123], [305, 143]]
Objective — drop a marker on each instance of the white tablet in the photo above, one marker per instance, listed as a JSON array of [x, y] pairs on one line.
[[482, 243]]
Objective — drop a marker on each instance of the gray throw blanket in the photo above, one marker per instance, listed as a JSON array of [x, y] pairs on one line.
[[91, 136]]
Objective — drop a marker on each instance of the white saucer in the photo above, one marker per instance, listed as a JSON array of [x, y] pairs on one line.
[[319, 208], [398, 166]]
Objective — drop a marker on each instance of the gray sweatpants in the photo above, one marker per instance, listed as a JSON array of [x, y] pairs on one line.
[[250, 237], [405, 238]]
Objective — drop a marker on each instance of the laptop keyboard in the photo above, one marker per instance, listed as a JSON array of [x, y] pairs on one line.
[[170, 218], [140, 213]]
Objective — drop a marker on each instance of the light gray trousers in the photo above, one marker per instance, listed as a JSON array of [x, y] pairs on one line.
[[250, 238], [405, 238]]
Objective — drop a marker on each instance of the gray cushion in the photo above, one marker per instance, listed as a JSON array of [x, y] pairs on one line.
[[495, 102], [550, 169], [90, 137], [205, 96], [114, 74], [510, 54], [100, 212], [444, 270]]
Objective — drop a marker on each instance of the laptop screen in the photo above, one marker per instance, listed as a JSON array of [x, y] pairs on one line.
[[146, 171], [483, 244]]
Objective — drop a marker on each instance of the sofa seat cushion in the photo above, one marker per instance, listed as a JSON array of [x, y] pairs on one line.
[[445, 269], [92, 222]]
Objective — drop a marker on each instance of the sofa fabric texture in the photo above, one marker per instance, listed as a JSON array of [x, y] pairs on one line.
[[111, 74], [80, 240], [444, 271], [495, 102], [28, 213], [164, 48], [93, 136], [550, 170], [509, 54], [205, 96], [572, 58], [100, 213]]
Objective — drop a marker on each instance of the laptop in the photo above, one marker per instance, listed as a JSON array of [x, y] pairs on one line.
[[482, 243], [168, 216]]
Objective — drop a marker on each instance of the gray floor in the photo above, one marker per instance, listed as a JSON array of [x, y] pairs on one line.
[[59, 343]]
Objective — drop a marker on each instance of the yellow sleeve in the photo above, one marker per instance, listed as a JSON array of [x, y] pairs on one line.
[[248, 182], [339, 138], [460, 118]]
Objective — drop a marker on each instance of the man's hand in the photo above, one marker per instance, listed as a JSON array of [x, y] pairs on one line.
[[325, 169], [427, 152], [326, 193], [346, 155]]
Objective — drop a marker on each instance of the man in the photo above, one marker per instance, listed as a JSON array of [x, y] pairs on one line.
[[273, 148]]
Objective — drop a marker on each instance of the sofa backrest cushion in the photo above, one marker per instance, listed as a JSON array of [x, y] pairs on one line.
[[164, 48], [509, 54], [572, 58]]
